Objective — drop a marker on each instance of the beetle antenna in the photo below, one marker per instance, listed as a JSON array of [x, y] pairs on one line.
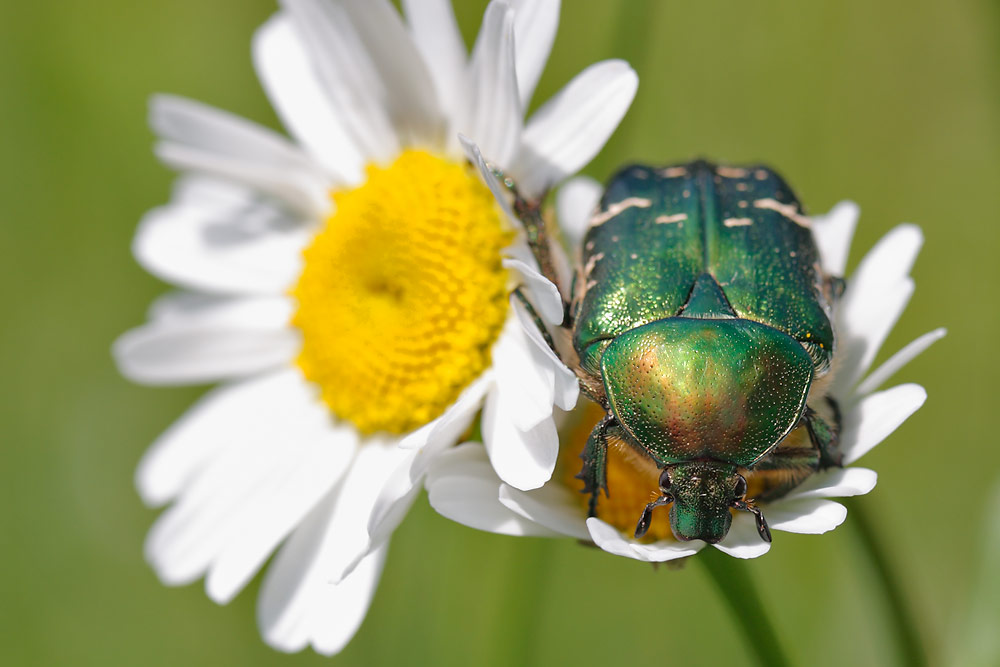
[[762, 528], [647, 514]]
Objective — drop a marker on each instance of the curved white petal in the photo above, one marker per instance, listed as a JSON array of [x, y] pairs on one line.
[[551, 506], [436, 35], [876, 416], [217, 341], [402, 486], [492, 116], [200, 138], [523, 459], [302, 103], [308, 469], [876, 295], [476, 157], [743, 540], [407, 90], [547, 298], [535, 25], [914, 348], [226, 415], [299, 606], [610, 540], [350, 80], [524, 378], [446, 429], [835, 483], [567, 387], [572, 127], [462, 486], [221, 237], [576, 201], [833, 233], [268, 468], [812, 516]]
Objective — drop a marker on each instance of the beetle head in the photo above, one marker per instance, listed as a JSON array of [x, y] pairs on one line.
[[701, 494]]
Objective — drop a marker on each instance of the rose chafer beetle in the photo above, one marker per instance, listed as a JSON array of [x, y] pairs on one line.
[[700, 320]]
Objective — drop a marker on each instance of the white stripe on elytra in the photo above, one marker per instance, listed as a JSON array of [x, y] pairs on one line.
[[790, 211], [618, 207]]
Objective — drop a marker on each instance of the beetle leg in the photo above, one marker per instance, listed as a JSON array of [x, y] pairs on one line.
[[647, 514], [595, 457], [542, 329], [824, 437], [530, 215], [762, 528]]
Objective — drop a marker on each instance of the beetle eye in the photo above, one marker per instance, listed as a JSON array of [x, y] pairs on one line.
[[741, 487], [664, 481]]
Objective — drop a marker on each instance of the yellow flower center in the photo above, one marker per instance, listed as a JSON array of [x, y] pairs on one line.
[[633, 479], [403, 293]]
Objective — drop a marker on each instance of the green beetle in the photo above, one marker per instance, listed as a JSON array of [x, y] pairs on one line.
[[701, 320]]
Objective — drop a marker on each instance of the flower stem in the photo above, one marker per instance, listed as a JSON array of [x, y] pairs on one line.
[[737, 589], [911, 652]]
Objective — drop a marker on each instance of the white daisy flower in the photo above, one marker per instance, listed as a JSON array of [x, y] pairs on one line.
[[350, 291], [463, 487]]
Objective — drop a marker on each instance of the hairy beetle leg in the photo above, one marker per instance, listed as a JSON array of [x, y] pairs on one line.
[[824, 437], [542, 329], [594, 473]]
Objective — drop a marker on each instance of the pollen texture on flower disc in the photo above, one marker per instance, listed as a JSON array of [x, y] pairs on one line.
[[403, 293]]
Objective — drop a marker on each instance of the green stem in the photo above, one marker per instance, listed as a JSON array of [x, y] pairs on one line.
[[911, 652], [745, 606], [528, 573]]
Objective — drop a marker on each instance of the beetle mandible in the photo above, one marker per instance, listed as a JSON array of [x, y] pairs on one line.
[[700, 322]]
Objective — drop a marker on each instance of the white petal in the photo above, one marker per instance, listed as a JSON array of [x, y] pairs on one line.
[[525, 460], [743, 540], [572, 127], [348, 532], [567, 387], [311, 464], [436, 35], [476, 157], [272, 467], [301, 102], [221, 237], [535, 25], [350, 79], [833, 233], [226, 415], [876, 416], [463, 487], [546, 295], [576, 201], [201, 138], [811, 516], [493, 114], [552, 506], [524, 378], [610, 540], [408, 92], [449, 426], [299, 606], [876, 295], [878, 376], [835, 483], [402, 486], [225, 341]]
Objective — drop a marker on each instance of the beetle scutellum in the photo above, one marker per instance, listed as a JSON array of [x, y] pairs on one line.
[[700, 320]]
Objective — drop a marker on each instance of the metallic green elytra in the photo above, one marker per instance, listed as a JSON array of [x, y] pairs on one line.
[[701, 319], [701, 315]]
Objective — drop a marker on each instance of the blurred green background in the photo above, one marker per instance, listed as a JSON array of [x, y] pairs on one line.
[[892, 104]]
